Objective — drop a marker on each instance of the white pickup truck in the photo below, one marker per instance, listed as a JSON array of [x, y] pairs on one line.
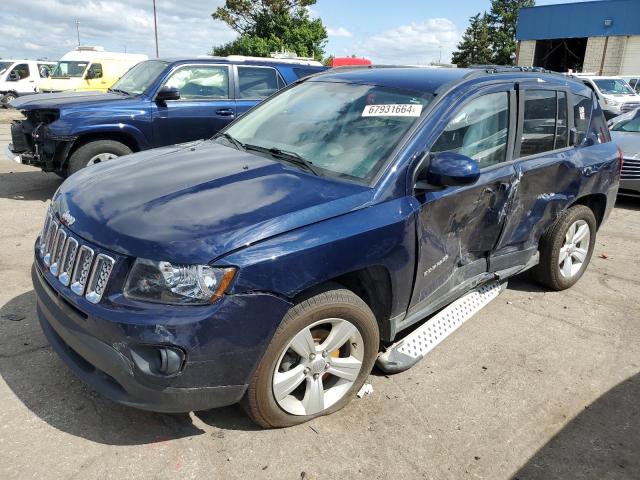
[[22, 77]]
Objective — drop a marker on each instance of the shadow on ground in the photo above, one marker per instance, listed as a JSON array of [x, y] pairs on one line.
[[601, 442], [628, 203], [31, 185], [42, 382]]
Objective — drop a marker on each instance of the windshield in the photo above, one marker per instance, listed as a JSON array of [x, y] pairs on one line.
[[614, 86], [66, 69], [139, 77], [342, 129], [4, 66], [629, 122]]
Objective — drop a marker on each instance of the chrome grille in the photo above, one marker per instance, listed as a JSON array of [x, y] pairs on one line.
[[58, 246], [81, 270], [99, 277], [68, 260], [630, 169], [75, 265]]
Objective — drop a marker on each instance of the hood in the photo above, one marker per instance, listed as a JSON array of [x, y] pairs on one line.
[[622, 98], [56, 100], [629, 143], [195, 203]]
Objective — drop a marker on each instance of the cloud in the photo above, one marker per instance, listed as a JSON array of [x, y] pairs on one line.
[[47, 29], [416, 43], [339, 32]]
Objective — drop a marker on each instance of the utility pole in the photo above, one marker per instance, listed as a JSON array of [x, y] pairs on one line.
[[155, 26], [78, 30]]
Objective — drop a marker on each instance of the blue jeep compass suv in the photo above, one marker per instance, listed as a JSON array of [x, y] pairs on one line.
[[278, 261], [156, 103]]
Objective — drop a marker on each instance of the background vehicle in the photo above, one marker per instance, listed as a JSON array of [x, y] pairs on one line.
[[633, 81], [157, 103], [614, 94], [625, 131], [22, 77], [270, 262], [89, 68]]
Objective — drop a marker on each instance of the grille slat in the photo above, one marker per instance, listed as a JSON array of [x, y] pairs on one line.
[[81, 270], [51, 237], [68, 261], [99, 277], [58, 246]]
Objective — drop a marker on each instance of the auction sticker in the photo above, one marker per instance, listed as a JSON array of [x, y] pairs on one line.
[[392, 110]]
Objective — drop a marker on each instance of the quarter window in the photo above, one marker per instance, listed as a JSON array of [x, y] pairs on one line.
[[257, 83], [581, 116], [479, 130], [201, 83]]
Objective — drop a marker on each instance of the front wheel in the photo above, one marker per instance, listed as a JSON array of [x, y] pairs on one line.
[[566, 249], [94, 152], [317, 360]]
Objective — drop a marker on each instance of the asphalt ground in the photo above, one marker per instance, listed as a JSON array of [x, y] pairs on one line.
[[538, 385]]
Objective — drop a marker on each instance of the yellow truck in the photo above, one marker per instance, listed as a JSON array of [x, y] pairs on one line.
[[89, 68]]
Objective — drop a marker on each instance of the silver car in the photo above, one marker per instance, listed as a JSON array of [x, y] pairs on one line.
[[625, 131]]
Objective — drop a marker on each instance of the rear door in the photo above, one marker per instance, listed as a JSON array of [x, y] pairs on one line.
[[546, 166], [254, 84], [458, 227], [205, 105]]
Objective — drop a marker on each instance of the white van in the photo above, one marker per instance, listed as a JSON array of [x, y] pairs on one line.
[[89, 68], [22, 77], [614, 94]]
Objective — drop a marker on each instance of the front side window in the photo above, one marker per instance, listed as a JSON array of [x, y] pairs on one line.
[[614, 86], [94, 71], [20, 71], [257, 83], [479, 130], [344, 130], [200, 82], [140, 77], [65, 69]]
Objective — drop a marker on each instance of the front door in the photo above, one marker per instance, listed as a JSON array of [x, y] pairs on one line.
[[458, 227], [205, 105]]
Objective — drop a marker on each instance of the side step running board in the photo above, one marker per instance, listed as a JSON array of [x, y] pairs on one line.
[[407, 352]]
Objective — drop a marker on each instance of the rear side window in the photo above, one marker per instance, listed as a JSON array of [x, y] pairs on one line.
[[582, 107], [544, 126], [302, 72], [21, 70], [257, 83], [478, 130]]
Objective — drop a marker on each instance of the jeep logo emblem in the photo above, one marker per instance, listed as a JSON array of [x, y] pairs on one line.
[[67, 219]]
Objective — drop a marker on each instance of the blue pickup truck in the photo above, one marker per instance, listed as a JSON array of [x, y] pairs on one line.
[[156, 103], [275, 263]]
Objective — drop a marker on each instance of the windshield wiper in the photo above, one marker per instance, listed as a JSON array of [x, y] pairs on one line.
[[286, 155], [238, 144], [117, 90]]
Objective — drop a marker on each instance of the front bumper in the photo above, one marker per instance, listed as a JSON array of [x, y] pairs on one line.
[[223, 349]]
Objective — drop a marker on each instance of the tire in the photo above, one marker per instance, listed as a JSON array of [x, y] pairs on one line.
[[7, 98], [88, 152], [555, 244], [353, 320]]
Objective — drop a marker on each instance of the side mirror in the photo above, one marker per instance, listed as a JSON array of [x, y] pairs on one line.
[[448, 169], [167, 93]]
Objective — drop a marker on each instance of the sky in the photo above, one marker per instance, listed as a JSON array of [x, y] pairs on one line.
[[401, 31]]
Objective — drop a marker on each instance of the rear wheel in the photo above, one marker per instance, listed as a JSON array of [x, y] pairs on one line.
[[317, 360], [96, 152], [566, 249]]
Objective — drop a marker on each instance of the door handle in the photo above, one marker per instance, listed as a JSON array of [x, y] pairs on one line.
[[224, 112]]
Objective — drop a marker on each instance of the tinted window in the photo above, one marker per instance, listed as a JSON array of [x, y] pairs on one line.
[[479, 130], [614, 86], [581, 116], [22, 70], [140, 77], [44, 70], [95, 71], [302, 72], [539, 127], [257, 83], [201, 82]]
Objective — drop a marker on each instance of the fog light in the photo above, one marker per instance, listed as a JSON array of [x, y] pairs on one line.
[[159, 360]]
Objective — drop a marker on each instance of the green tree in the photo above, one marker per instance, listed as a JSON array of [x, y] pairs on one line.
[[267, 26], [503, 18], [475, 47]]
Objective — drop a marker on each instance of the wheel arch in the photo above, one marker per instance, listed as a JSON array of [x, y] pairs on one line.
[[123, 137], [596, 202]]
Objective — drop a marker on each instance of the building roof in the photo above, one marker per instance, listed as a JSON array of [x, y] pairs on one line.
[[582, 19]]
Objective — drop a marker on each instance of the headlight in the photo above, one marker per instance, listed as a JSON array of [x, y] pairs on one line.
[[611, 102], [166, 282]]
